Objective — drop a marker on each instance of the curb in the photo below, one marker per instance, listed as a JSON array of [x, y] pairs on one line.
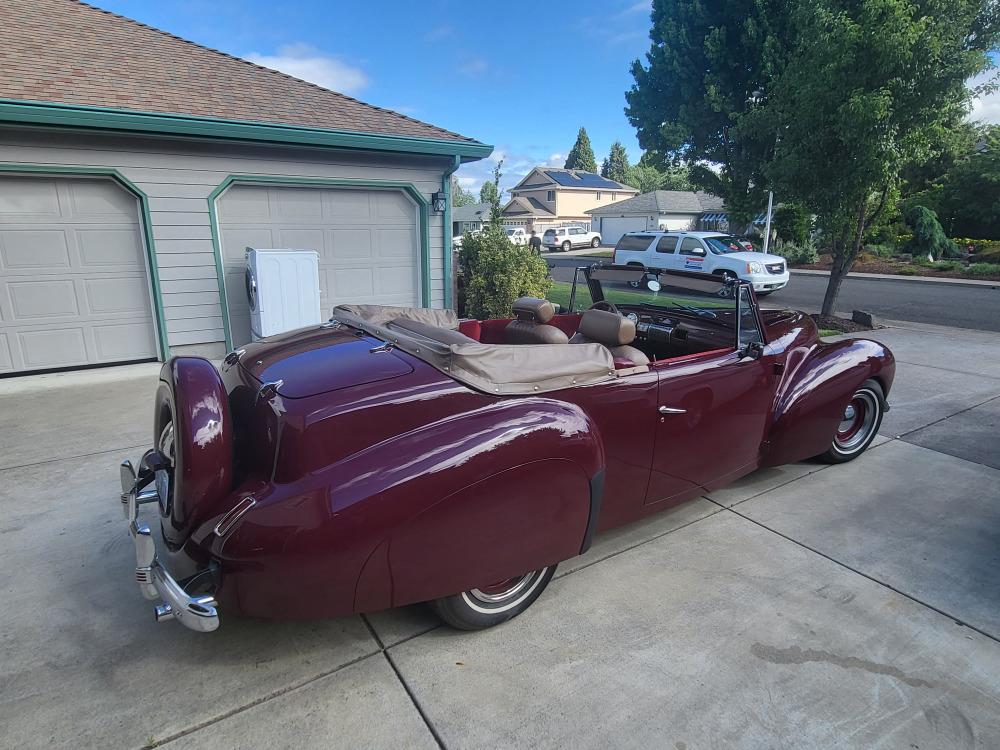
[[899, 277]]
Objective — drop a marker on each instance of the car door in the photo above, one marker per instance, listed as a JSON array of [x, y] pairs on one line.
[[691, 254], [713, 411], [664, 254], [575, 236]]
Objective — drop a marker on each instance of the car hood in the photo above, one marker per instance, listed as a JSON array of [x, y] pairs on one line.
[[749, 257], [316, 360]]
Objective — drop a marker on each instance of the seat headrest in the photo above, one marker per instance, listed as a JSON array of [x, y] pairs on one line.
[[534, 309], [606, 328]]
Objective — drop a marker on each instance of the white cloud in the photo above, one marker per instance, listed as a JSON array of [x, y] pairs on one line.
[[467, 182], [310, 64], [473, 67], [438, 33], [986, 107], [556, 160]]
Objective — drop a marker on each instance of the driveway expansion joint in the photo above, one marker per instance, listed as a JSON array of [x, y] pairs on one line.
[[956, 620], [414, 701]]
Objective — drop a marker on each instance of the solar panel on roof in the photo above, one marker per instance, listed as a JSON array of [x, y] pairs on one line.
[[582, 179]]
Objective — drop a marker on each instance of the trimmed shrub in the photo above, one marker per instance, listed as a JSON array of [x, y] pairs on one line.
[[803, 254], [983, 269], [496, 272]]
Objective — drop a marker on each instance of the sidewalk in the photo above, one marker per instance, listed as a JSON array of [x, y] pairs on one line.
[[899, 277]]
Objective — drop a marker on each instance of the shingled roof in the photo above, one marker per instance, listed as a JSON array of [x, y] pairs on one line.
[[68, 52]]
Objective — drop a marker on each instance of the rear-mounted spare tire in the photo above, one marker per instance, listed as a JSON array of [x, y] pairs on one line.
[[192, 427]]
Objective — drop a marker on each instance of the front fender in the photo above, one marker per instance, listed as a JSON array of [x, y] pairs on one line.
[[811, 399], [459, 502]]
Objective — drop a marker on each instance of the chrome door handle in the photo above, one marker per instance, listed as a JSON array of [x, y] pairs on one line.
[[669, 410]]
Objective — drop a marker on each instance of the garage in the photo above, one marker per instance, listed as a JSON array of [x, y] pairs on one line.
[[613, 227], [74, 284], [367, 240]]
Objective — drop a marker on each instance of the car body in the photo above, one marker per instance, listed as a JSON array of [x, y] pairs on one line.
[[456, 241], [703, 252], [567, 238], [398, 455], [517, 235]]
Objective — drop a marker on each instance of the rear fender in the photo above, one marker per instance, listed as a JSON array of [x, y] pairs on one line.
[[192, 397], [811, 399]]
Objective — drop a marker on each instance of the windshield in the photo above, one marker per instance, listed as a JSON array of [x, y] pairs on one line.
[[708, 299], [724, 245]]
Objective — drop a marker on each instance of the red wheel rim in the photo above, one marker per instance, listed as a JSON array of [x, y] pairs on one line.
[[501, 587], [858, 423], [849, 427]]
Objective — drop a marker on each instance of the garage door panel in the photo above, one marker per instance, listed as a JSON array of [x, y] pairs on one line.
[[28, 198], [103, 199], [123, 341], [247, 202], [347, 243], [33, 249], [393, 205], [31, 300], [73, 282], [612, 228], [297, 203], [236, 241], [6, 361], [110, 247], [353, 281], [395, 279], [353, 205], [116, 294], [59, 347], [299, 239], [397, 243]]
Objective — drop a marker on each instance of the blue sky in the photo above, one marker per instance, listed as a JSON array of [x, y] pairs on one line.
[[523, 76]]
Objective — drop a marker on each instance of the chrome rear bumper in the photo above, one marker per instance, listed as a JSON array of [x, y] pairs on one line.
[[197, 613]]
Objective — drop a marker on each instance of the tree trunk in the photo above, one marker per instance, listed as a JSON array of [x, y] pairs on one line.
[[843, 259]]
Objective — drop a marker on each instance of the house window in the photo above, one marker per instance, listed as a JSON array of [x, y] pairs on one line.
[[598, 195], [550, 195]]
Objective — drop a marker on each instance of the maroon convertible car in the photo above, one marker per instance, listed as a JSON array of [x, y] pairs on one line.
[[398, 455]]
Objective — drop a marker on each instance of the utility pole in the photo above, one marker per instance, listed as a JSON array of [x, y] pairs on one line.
[[767, 224]]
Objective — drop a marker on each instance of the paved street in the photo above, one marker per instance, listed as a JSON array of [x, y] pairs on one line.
[[806, 606], [958, 305]]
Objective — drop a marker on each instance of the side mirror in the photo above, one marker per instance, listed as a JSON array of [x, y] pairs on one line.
[[754, 350], [653, 285]]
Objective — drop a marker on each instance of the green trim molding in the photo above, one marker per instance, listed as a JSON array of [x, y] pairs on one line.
[[55, 114], [147, 228], [449, 280], [406, 187]]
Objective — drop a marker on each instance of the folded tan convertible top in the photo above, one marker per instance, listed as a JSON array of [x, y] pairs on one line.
[[494, 368]]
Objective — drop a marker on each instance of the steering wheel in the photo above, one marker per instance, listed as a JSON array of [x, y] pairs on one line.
[[605, 305]]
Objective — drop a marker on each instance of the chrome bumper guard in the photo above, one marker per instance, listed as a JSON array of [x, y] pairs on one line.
[[197, 613]]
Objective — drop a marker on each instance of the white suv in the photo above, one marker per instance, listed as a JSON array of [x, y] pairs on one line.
[[706, 252], [566, 238]]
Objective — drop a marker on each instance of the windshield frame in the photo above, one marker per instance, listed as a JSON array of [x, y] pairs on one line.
[[740, 288]]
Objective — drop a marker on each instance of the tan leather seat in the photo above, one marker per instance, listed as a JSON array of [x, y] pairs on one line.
[[529, 324], [614, 331]]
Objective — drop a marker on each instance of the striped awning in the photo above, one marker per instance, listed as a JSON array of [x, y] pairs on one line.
[[715, 217]]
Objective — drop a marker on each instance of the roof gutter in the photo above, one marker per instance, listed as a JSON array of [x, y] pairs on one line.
[[101, 118]]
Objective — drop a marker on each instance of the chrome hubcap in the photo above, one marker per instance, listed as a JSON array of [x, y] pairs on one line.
[[858, 422], [162, 479], [502, 590]]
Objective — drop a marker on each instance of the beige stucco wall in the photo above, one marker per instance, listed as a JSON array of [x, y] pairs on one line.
[[572, 204]]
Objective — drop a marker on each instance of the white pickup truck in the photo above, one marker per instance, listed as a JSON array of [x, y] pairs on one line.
[[517, 235], [566, 238], [705, 252]]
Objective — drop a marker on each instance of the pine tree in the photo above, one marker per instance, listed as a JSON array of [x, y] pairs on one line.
[[581, 156], [616, 166]]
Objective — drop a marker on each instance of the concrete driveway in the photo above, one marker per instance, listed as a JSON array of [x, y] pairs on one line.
[[807, 606]]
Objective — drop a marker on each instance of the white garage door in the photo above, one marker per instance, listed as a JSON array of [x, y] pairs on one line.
[[612, 228], [74, 288], [367, 240]]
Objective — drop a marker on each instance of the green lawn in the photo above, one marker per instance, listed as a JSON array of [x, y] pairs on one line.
[[560, 291]]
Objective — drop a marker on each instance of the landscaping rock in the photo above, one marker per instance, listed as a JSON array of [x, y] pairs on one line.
[[863, 318]]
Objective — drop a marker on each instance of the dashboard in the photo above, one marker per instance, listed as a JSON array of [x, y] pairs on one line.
[[672, 333]]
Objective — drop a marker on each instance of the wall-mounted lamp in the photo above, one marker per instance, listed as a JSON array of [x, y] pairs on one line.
[[438, 202]]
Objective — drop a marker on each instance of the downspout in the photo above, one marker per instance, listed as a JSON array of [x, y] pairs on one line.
[[449, 278]]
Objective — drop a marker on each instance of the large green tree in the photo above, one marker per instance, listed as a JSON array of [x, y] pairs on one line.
[[459, 195], [581, 156], [489, 192], [708, 70], [616, 166], [864, 87]]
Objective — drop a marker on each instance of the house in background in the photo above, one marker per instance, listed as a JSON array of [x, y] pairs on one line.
[[136, 167], [549, 197], [677, 210], [469, 218]]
